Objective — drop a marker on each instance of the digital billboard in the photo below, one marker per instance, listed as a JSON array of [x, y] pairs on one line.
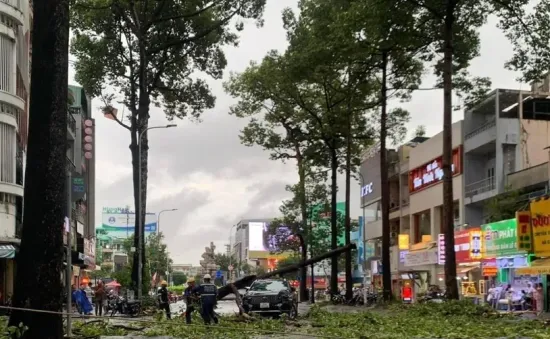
[[120, 222], [260, 239]]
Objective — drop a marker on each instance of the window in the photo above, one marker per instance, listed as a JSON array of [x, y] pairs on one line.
[[491, 172], [269, 285], [422, 225]]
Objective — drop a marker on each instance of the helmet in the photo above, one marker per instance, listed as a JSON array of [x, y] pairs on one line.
[[207, 276], [164, 283], [191, 280]]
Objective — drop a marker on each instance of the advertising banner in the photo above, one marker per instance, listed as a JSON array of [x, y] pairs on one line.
[[468, 245], [423, 257], [540, 222], [500, 239], [120, 222], [525, 236], [489, 267], [432, 173], [441, 249], [370, 180]]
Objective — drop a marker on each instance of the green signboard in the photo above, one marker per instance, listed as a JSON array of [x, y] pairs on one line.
[[500, 239]]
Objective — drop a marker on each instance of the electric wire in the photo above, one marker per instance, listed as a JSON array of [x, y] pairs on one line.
[[169, 323]]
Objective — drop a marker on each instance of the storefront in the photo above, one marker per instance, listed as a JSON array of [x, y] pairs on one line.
[[420, 268], [468, 246], [501, 245]]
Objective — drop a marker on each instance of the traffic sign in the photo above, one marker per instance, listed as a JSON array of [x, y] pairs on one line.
[[218, 274], [230, 267]]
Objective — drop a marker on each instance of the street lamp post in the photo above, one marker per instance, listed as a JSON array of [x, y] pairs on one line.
[[158, 218], [231, 252], [139, 218]]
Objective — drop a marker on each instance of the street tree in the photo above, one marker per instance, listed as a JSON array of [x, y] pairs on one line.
[[452, 26], [275, 125], [149, 53], [356, 35], [40, 258], [222, 260], [179, 278]]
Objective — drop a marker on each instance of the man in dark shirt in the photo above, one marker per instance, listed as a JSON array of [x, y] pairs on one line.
[[164, 302], [191, 300], [208, 296]]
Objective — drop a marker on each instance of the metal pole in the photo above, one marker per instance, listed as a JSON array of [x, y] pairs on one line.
[[139, 219], [69, 272], [158, 218], [230, 253]]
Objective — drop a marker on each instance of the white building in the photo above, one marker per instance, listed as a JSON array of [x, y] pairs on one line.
[[15, 46]]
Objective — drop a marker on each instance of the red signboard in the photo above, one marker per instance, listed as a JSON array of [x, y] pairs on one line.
[[431, 173], [464, 246]]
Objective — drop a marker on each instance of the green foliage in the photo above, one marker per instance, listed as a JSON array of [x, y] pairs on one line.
[[504, 206], [179, 278], [420, 131], [178, 289], [169, 40], [222, 260]]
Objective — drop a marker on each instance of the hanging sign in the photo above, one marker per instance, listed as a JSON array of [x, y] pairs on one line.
[[441, 249], [525, 237]]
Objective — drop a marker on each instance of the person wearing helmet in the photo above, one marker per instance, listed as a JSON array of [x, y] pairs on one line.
[[191, 299], [164, 301], [208, 296]]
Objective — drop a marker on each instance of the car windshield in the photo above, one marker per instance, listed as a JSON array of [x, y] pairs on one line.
[[269, 286]]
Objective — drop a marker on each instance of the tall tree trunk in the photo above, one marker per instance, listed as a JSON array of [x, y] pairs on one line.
[[305, 231], [137, 208], [386, 267], [41, 255], [333, 222], [349, 282], [450, 258]]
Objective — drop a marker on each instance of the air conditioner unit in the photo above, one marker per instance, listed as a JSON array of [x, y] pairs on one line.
[[394, 229]]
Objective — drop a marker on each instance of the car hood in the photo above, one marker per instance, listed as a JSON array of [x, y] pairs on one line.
[[261, 293]]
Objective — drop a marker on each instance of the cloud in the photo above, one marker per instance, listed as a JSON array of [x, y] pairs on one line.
[[202, 169]]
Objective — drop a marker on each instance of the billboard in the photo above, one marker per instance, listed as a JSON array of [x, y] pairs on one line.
[[260, 239], [540, 222], [468, 245], [500, 239], [370, 179], [120, 222]]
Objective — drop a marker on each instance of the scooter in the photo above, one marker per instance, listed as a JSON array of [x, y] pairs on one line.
[[125, 307]]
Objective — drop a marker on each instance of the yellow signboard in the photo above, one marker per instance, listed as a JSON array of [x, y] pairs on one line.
[[403, 241], [540, 223], [524, 234]]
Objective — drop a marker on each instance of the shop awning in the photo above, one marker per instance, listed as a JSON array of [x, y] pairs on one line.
[[540, 266], [7, 251], [465, 269]]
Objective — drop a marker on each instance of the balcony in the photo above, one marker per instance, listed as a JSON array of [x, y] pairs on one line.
[[481, 190], [71, 126], [481, 136], [528, 177]]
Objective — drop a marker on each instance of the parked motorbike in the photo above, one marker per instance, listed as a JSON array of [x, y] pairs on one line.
[[123, 306]]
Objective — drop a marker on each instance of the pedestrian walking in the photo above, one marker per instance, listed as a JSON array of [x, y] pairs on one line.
[[99, 298], [164, 301]]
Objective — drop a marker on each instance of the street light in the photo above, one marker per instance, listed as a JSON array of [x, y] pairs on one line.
[[139, 216], [231, 252], [158, 218]]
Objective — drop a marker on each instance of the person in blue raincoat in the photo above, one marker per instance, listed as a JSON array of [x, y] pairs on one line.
[[208, 295], [82, 301]]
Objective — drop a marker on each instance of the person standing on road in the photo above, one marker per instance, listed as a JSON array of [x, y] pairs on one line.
[[164, 301], [208, 294], [99, 298], [191, 300]]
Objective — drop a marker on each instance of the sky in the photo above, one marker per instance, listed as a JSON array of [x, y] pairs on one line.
[[202, 169]]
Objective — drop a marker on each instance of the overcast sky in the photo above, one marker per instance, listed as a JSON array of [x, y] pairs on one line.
[[204, 171]]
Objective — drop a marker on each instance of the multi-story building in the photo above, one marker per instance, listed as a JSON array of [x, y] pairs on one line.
[[81, 160], [188, 269], [416, 192], [15, 51], [504, 135]]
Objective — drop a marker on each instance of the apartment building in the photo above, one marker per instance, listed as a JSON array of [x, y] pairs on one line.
[[416, 211], [505, 137], [15, 51]]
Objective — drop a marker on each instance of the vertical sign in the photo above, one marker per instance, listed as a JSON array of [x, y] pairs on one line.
[[441, 249], [475, 244], [524, 230]]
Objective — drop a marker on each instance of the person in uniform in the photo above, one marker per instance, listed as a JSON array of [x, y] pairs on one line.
[[191, 300], [164, 302], [208, 296]]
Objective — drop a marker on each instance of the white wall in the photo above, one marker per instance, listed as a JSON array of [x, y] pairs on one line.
[[7, 220]]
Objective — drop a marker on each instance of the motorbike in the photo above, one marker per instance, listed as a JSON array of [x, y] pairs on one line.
[[121, 305], [436, 297]]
